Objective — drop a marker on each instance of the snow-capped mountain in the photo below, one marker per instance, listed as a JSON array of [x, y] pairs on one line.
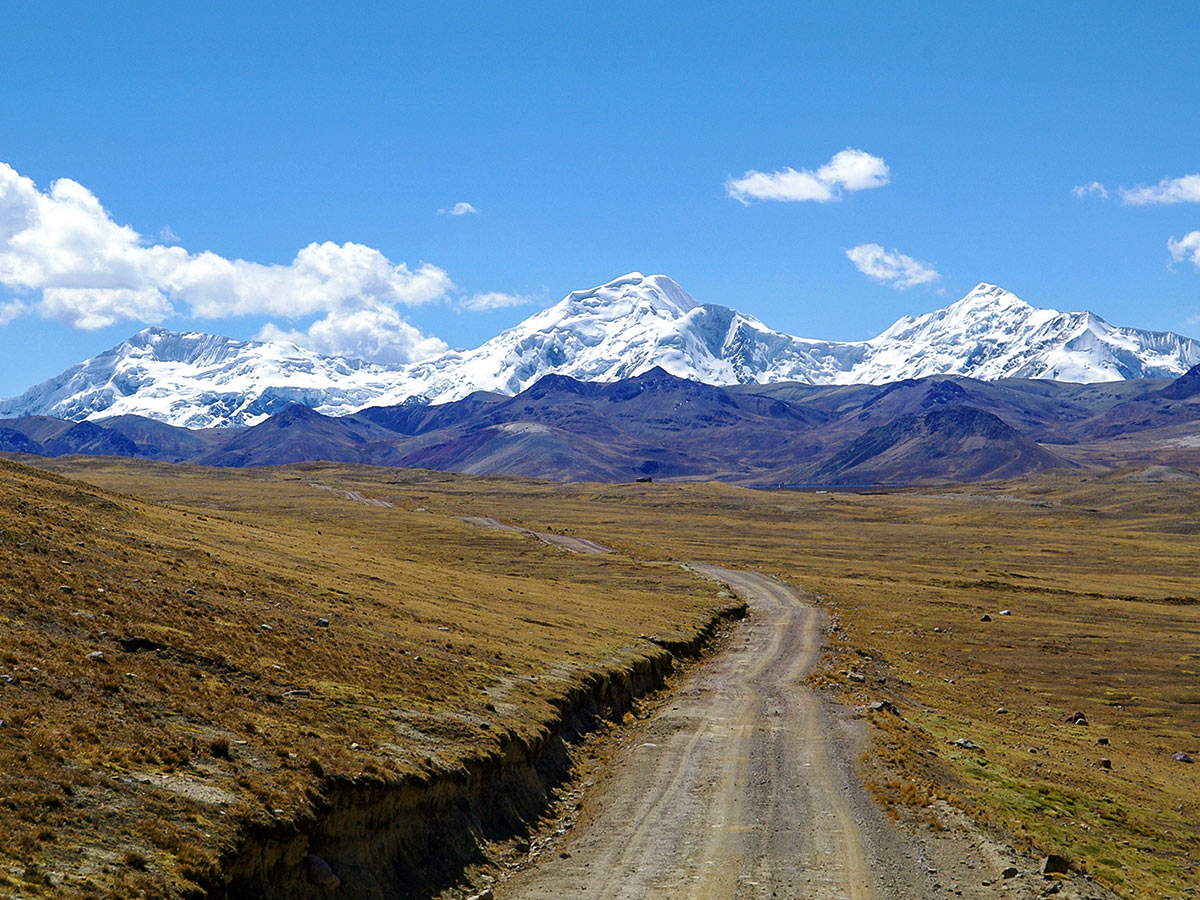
[[202, 380], [614, 331]]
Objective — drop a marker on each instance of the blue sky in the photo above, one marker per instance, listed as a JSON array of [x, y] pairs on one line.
[[590, 140]]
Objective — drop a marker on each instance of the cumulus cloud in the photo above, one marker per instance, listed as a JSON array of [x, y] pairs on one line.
[[1086, 190], [1187, 247], [848, 170], [376, 333], [462, 208], [65, 258], [494, 300], [893, 268], [1185, 189]]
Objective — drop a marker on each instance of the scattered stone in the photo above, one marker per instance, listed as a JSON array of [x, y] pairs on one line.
[[1103, 741], [443, 628], [190, 592], [857, 676], [967, 744], [266, 627], [1006, 612], [937, 629], [66, 589], [883, 706], [6, 679], [1001, 710], [298, 692], [985, 618], [322, 623], [319, 872], [485, 894], [1010, 872], [1105, 762], [1052, 888], [1077, 718], [96, 656], [1182, 757], [1055, 865]]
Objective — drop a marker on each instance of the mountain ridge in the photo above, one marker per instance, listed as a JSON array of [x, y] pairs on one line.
[[608, 333]]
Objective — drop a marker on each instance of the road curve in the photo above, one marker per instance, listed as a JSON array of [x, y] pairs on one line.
[[739, 787]]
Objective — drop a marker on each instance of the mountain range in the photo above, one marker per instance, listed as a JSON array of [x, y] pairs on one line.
[[610, 333], [656, 425]]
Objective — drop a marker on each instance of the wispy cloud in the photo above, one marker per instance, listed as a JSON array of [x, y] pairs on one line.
[[1185, 189], [494, 300], [848, 170], [1088, 190], [462, 208], [65, 258], [1187, 247], [892, 268]]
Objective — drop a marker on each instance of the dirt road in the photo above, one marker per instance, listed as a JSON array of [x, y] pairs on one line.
[[566, 541], [741, 787]]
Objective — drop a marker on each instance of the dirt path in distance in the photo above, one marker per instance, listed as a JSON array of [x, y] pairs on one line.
[[566, 541]]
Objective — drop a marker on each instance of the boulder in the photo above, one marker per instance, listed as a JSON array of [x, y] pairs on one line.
[[1105, 762], [1182, 757], [985, 618]]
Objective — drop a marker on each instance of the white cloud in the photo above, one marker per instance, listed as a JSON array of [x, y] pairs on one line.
[[376, 333], [894, 268], [494, 300], [13, 309], [91, 272], [1086, 190], [461, 208], [1185, 189], [848, 170], [1187, 247]]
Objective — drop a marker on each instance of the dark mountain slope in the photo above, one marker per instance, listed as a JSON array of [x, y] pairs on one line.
[[955, 443], [298, 434]]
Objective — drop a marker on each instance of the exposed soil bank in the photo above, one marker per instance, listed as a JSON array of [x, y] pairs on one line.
[[411, 839]]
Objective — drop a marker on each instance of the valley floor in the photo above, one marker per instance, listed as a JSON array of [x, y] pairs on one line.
[[978, 619]]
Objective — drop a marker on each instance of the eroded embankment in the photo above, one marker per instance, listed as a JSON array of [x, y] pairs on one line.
[[413, 838]]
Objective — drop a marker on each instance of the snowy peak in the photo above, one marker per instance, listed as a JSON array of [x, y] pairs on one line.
[[991, 298], [618, 330], [656, 292]]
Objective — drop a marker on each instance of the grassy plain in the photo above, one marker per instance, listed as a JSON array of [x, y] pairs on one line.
[[218, 697], [1101, 577]]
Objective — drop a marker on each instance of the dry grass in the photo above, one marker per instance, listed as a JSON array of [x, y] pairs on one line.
[[220, 699], [1102, 579]]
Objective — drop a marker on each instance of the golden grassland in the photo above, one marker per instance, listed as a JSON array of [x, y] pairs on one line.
[[219, 698], [1102, 578]]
